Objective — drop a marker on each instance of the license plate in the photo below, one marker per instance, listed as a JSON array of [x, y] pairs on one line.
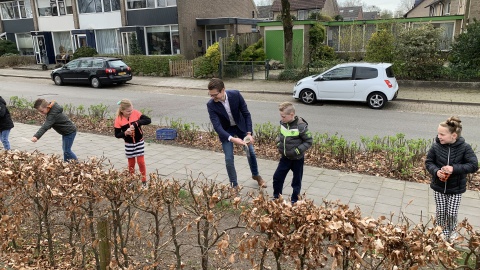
[[122, 73]]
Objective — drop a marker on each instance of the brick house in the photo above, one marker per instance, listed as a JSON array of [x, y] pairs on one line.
[[432, 8], [351, 13], [49, 28], [302, 9]]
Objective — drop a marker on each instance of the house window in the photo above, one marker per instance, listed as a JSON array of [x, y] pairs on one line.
[[163, 40], [137, 4], [107, 41], [214, 34], [15, 10], [24, 44], [446, 10], [302, 14], [98, 6], [54, 7], [62, 43]]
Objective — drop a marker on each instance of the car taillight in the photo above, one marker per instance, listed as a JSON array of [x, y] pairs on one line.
[[129, 69], [110, 70], [389, 84]]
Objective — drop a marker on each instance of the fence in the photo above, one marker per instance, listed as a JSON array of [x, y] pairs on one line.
[[244, 69], [183, 68], [228, 45]]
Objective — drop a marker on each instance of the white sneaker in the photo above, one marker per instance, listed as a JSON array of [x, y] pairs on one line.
[[144, 186], [453, 237]]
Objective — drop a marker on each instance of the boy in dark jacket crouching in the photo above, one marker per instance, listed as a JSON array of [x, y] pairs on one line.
[[292, 142]]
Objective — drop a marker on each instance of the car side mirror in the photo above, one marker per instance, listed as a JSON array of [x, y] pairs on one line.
[[65, 67]]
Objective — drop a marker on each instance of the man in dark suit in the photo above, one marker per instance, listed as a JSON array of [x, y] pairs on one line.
[[230, 117]]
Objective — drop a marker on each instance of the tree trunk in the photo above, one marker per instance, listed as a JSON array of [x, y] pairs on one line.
[[287, 34]]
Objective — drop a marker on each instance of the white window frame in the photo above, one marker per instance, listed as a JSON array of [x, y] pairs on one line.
[[172, 28], [56, 3], [16, 5], [166, 4]]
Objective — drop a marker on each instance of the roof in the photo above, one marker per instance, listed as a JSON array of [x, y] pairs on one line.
[[299, 4], [264, 11], [372, 15], [227, 20], [350, 12]]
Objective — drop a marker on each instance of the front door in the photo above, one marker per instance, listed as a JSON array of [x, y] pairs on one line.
[[79, 40], [40, 49], [126, 39]]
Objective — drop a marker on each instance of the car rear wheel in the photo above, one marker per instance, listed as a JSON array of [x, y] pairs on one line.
[[95, 82], [57, 79], [376, 100], [308, 96]]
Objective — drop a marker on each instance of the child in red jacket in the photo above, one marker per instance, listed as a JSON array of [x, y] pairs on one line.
[[128, 125]]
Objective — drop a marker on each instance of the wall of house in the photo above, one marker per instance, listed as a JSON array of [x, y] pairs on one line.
[[189, 10], [18, 26], [57, 23], [457, 7], [474, 10], [100, 20], [330, 8], [154, 16], [420, 10]]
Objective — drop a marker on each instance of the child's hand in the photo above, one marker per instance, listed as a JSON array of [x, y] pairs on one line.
[[34, 139]]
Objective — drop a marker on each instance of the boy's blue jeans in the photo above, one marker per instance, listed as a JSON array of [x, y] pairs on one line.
[[229, 159], [284, 166], [67, 142], [5, 142]]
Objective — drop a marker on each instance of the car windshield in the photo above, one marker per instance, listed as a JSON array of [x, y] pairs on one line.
[[116, 63]]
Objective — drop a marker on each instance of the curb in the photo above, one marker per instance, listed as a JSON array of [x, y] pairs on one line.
[[263, 92]]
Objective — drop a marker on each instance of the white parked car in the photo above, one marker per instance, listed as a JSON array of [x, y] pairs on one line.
[[372, 83]]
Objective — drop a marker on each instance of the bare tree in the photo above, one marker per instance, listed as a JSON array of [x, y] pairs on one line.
[[403, 7], [287, 22], [371, 8], [352, 3]]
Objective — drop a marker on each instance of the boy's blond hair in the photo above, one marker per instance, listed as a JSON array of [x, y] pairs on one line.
[[286, 107]]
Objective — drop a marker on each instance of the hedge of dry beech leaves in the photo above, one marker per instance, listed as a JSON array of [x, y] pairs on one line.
[[80, 215], [57, 215]]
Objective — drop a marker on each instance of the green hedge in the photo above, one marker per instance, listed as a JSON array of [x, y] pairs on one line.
[[149, 65]]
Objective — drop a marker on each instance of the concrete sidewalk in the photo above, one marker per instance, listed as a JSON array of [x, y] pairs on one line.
[[374, 195], [458, 96]]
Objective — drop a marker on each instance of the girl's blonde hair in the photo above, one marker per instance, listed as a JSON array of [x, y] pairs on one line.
[[122, 106], [453, 124]]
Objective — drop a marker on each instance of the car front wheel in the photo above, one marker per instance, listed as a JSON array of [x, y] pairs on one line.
[[308, 96], [57, 79], [376, 100], [95, 82]]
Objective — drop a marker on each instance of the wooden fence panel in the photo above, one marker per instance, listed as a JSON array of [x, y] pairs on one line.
[[183, 68]]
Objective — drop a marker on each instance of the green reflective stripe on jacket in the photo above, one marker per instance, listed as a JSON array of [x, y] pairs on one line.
[[289, 132]]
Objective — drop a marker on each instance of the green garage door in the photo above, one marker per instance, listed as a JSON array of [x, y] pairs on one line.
[[274, 46]]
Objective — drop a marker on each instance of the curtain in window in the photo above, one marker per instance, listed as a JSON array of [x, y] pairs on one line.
[[62, 42], [106, 41], [25, 44]]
